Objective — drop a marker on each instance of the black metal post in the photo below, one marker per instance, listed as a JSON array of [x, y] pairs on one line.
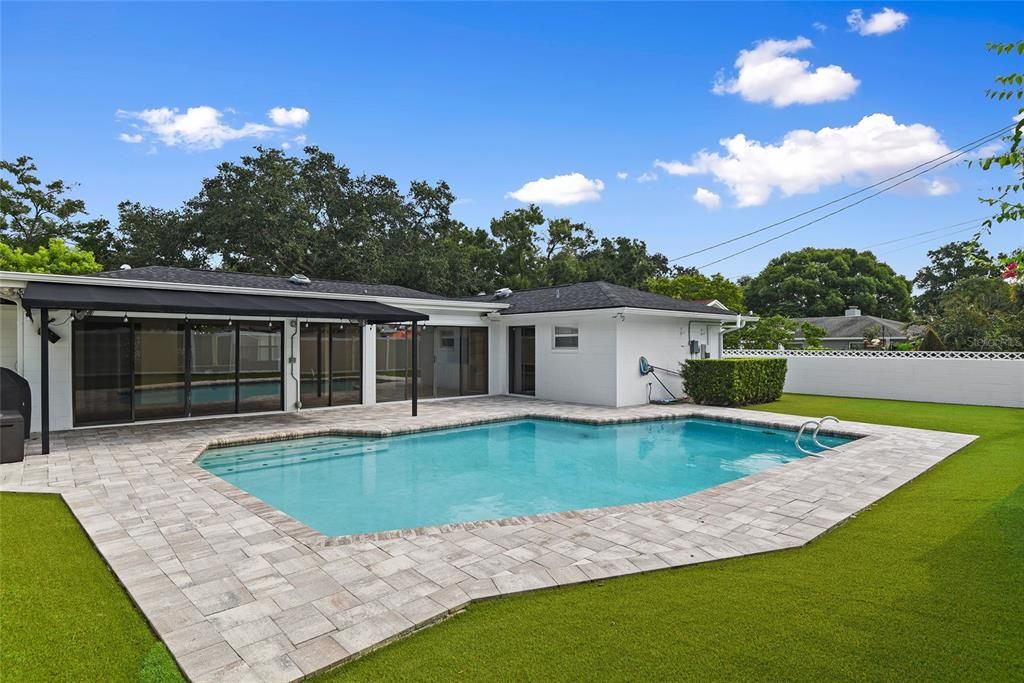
[[415, 371], [44, 376]]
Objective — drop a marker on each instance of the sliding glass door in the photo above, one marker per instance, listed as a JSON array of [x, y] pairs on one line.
[[159, 371], [522, 354], [214, 369], [330, 364], [164, 368], [452, 362], [101, 371], [260, 385]]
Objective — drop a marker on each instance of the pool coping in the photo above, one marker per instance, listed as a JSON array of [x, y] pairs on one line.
[[238, 590], [316, 539]]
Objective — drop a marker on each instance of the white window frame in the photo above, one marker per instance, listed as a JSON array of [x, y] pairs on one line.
[[555, 336]]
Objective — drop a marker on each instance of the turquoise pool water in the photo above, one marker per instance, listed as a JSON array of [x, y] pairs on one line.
[[350, 485]]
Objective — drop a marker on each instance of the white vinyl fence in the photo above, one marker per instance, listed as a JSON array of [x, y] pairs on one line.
[[968, 377]]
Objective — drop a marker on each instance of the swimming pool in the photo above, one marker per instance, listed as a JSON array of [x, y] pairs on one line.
[[343, 485]]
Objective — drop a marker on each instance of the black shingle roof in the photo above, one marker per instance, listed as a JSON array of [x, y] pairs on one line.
[[188, 276], [592, 295], [853, 326]]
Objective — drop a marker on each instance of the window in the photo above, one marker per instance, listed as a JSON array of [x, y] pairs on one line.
[[567, 337]]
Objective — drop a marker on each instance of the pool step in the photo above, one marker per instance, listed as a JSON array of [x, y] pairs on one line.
[[280, 454]]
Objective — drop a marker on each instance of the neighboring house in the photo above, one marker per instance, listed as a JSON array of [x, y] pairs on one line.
[[848, 331], [159, 343]]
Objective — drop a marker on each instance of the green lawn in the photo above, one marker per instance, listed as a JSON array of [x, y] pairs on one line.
[[63, 615], [928, 585]]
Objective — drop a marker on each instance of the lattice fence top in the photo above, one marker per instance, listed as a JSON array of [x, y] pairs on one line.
[[853, 353]]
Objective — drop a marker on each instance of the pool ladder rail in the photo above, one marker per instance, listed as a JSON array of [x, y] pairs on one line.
[[814, 435]]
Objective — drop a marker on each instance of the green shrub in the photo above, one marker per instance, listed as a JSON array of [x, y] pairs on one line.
[[734, 381]]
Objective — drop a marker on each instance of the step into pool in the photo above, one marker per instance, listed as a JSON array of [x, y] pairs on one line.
[[343, 485]]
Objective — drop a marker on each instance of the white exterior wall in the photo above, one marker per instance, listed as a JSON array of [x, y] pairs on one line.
[[605, 370], [10, 331], [60, 369], [583, 375], [665, 343], [968, 380]]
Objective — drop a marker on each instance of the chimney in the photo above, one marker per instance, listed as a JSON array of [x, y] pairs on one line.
[[852, 312]]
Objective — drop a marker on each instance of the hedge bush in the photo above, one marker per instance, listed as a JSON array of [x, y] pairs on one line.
[[734, 381]]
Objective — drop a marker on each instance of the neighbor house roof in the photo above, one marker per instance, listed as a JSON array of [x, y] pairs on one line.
[[592, 295], [853, 326], [188, 276]]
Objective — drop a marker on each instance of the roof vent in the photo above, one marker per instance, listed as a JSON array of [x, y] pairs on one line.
[[124, 266], [852, 312], [503, 293], [299, 279]]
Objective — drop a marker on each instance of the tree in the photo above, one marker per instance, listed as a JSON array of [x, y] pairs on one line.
[[146, 236], [950, 264], [623, 261], [520, 265], [1006, 200], [930, 341], [822, 282], [33, 213], [978, 314], [56, 257], [812, 335], [691, 287], [770, 332]]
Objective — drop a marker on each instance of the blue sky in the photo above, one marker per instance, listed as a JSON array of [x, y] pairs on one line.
[[493, 97]]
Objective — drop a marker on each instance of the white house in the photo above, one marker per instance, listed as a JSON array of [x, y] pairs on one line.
[[158, 343]]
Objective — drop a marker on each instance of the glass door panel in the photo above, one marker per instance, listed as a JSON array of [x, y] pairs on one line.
[[393, 363], [522, 360], [346, 364], [159, 369], [314, 365], [446, 353], [213, 368], [474, 360], [260, 367], [101, 372]]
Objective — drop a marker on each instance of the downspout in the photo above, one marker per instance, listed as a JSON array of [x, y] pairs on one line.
[[292, 363]]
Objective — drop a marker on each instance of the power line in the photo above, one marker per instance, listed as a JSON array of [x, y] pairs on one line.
[[958, 151], [978, 143], [926, 232], [930, 239]]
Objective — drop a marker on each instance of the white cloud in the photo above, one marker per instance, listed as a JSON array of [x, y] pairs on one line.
[[805, 160], [561, 190], [820, 27], [621, 175], [130, 138], [295, 117], [938, 187], [708, 199], [766, 74], [647, 177], [196, 128], [878, 24], [299, 139]]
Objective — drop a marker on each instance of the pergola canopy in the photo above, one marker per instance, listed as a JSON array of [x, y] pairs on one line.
[[144, 300]]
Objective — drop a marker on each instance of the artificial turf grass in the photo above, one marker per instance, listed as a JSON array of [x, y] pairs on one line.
[[926, 585], [63, 615]]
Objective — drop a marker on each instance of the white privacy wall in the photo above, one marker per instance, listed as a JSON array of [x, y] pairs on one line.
[[972, 380]]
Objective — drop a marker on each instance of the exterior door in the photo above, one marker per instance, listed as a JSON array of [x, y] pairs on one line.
[[522, 348]]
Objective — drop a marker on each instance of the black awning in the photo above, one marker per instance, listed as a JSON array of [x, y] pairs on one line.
[[138, 299]]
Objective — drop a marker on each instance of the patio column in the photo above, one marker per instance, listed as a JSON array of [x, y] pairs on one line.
[[415, 370], [44, 377]]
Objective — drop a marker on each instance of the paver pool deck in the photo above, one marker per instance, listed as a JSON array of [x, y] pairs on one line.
[[241, 591]]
